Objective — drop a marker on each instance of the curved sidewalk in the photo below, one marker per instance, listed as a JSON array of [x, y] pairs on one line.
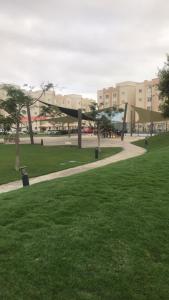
[[129, 151]]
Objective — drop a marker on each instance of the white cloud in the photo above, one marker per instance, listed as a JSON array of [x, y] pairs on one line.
[[83, 45]]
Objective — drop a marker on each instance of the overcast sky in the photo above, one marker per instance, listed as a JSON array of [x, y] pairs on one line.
[[82, 45]]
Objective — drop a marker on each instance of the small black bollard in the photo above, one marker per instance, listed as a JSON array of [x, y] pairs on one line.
[[146, 142], [41, 142], [25, 178], [96, 153]]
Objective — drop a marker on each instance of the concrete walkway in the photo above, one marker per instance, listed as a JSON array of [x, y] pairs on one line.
[[129, 151]]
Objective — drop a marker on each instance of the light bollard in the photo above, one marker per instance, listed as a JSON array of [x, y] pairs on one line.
[[96, 153], [146, 142], [24, 174]]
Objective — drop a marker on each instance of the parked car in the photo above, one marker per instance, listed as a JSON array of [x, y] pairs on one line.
[[53, 132], [87, 130], [27, 132]]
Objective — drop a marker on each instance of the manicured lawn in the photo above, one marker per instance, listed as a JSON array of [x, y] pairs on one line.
[[155, 143], [42, 160], [101, 235]]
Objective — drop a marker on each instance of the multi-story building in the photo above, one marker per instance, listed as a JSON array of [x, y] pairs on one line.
[[140, 94], [2, 96], [147, 95], [124, 92], [105, 97]]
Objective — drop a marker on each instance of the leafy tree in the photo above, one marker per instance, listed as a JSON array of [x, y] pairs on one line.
[[15, 101], [51, 111], [5, 123], [97, 121], [163, 87], [102, 120], [44, 88], [106, 125]]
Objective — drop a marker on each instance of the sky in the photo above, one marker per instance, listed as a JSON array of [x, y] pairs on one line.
[[82, 45]]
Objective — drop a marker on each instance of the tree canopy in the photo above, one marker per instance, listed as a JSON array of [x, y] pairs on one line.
[[15, 101], [5, 123], [163, 87]]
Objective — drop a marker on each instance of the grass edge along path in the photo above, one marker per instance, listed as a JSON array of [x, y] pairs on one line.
[[129, 151], [43, 160]]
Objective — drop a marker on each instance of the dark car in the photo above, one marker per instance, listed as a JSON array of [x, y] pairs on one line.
[[53, 132]]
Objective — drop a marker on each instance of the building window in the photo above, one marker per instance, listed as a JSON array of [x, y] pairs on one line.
[[140, 90], [148, 107], [123, 93], [149, 90], [100, 97], [140, 99], [114, 95], [107, 96], [149, 99]]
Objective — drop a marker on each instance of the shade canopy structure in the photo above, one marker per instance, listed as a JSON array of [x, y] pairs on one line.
[[148, 116], [73, 113], [62, 119]]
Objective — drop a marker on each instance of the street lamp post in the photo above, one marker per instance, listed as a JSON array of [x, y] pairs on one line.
[[79, 128], [124, 122]]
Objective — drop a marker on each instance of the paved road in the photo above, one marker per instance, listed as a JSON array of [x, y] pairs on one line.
[[87, 140], [129, 151]]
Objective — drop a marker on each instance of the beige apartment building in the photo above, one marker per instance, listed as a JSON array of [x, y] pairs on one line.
[[124, 92], [140, 94], [2, 96], [147, 95]]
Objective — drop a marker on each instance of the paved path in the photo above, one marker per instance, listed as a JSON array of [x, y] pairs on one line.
[[129, 151], [88, 140]]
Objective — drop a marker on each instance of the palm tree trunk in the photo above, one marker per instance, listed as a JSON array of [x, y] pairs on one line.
[[17, 159], [68, 126], [30, 124], [98, 136]]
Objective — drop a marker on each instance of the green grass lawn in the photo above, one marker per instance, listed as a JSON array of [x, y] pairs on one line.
[[101, 235], [155, 143], [43, 160]]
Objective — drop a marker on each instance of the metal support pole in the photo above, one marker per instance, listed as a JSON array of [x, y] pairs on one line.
[[79, 128], [131, 123], [124, 122], [30, 123], [68, 127]]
